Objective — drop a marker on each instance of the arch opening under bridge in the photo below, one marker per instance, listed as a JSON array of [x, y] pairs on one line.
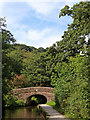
[[36, 99]]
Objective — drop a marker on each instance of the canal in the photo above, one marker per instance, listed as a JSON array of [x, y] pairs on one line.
[[29, 112]]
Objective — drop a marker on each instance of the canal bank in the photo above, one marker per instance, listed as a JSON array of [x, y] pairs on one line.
[[52, 114]]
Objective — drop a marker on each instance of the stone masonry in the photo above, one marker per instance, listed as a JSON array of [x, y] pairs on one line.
[[25, 93]]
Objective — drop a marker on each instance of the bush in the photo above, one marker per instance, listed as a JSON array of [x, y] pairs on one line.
[[20, 103], [71, 94], [52, 103], [11, 101]]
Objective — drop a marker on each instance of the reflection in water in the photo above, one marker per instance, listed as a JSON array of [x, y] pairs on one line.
[[23, 112]]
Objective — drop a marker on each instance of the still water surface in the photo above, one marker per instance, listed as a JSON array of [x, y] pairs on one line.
[[24, 112]]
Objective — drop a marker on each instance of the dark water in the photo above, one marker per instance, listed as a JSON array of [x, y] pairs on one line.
[[30, 113]]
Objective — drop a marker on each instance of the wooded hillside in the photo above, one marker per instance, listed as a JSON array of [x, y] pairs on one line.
[[64, 65]]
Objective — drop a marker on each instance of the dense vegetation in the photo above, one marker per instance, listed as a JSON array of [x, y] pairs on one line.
[[65, 65], [71, 74]]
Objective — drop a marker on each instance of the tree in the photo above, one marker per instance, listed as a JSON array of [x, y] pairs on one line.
[[36, 71], [19, 81], [74, 39], [71, 70], [10, 66], [72, 87]]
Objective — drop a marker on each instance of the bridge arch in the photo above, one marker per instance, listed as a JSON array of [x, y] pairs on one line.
[[25, 93], [36, 99]]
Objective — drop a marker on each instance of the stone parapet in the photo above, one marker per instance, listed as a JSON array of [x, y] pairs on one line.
[[24, 93]]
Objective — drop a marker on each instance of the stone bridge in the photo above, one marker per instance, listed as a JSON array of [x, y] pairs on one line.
[[25, 93]]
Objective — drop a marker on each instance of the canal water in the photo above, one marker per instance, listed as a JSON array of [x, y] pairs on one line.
[[31, 113]]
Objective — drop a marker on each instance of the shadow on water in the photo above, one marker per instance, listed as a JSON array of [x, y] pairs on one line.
[[23, 113]]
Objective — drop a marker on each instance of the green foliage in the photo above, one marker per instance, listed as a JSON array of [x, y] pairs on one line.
[[61, 66], [7, 38], [36, 70], [19, 81], [34, 99], [72, 87], [22, 66], [11, 101], [10, 66], [24, 47], [33, 64], [19, 103], [70, 69], [52, 103], [37, 99], [74, 39]]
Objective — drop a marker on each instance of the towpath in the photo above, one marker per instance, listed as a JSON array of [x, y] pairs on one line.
[[52, 113]]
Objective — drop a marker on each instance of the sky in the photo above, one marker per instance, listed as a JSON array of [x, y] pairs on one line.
[[36, 22]]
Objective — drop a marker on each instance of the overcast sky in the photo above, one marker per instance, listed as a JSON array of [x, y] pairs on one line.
[[36, 22]]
